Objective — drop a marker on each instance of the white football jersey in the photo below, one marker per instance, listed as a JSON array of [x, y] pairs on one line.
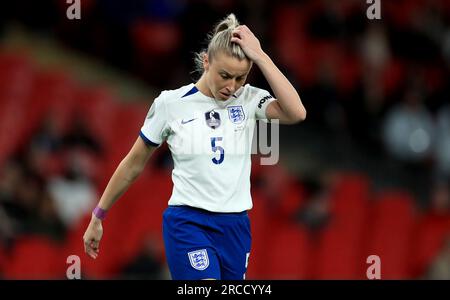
[[210, 141]]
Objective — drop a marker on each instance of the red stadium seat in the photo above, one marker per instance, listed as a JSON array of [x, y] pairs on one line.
[[16, 79], [392, 76], [36, 258], [16, 75], [431, 234], [3, 259], [132, 219], [344, 235], [259, 216], [127, 124], [155, 38], [340, 251], [288, 252], [289, 35], [145, 201], [390, 235], [124, 130], [401, 12], [349, 72], [11, 131], [350, 196], [291, 200], [110, 259], [52, 96], [280, 248], [96, 107], [340, 247]]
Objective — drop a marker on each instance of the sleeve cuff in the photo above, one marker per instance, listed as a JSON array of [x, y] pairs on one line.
[[147, 141]]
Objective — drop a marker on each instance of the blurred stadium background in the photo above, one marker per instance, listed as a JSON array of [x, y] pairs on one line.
[[367, 173]]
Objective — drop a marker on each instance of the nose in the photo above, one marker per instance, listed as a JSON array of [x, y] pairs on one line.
[[231, 88]]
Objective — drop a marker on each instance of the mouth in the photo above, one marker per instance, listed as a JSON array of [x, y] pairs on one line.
[[225, 95]]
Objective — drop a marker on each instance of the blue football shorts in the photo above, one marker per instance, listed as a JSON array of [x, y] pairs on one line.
[[206, 245]]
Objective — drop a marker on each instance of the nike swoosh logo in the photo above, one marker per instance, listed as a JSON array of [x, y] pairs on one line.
[[184, 122]]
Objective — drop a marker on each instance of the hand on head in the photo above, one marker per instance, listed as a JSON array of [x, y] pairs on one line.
[[249, 43]]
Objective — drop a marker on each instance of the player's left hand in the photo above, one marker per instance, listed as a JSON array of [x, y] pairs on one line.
[[249, 43]]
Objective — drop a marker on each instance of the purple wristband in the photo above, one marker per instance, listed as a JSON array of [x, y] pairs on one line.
[[100, 213]]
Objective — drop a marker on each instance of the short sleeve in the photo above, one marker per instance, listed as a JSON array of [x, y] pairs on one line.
[[154, 130], [263, 98]]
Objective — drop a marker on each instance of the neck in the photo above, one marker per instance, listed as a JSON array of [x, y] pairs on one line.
[[203, 87]]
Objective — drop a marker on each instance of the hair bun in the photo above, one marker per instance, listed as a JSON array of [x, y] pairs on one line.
[[230, 22], [219, 40]]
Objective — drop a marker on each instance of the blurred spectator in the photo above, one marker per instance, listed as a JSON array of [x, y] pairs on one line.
[[322, 98], [42, 153], [316, 212], [80, 137], [363, 109], [432, 230], [148, 264], [440, 200], [443, 143], [31, 210], [440, 269], [73, 193], [273, 180], [48, 136], [83, 150], [10, 178], [375, 50], [405, 40], [281, 190], [7, 228], [196, 20], [48, 191], [47, 221], [327, 22], [409, 129], [446, 46], [429, 22]]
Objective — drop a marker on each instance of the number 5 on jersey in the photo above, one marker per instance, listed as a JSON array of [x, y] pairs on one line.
[[215, 148]]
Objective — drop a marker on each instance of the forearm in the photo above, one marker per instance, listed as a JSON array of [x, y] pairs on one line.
[[125, 174], [287, 96]]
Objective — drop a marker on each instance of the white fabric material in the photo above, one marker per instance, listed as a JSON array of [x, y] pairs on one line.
[[203, 176]]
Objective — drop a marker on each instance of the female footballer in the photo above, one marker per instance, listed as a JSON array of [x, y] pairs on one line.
[[208, 126]]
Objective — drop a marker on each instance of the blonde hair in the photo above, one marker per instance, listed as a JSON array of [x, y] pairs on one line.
[[220, 41]]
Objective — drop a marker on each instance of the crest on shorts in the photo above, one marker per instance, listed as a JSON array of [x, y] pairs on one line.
[[236, 114], [199, 259], [212, 119]]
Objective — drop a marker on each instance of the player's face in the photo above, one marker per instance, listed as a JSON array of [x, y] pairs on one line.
[[225, 75]]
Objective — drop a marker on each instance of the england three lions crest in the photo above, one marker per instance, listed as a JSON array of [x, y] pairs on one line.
[[199, 259], [236, 114]]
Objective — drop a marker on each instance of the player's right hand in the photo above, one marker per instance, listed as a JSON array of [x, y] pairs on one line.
[[92, 237]]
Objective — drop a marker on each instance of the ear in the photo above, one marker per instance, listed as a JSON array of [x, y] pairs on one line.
[[251, 65], [205, 62]]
